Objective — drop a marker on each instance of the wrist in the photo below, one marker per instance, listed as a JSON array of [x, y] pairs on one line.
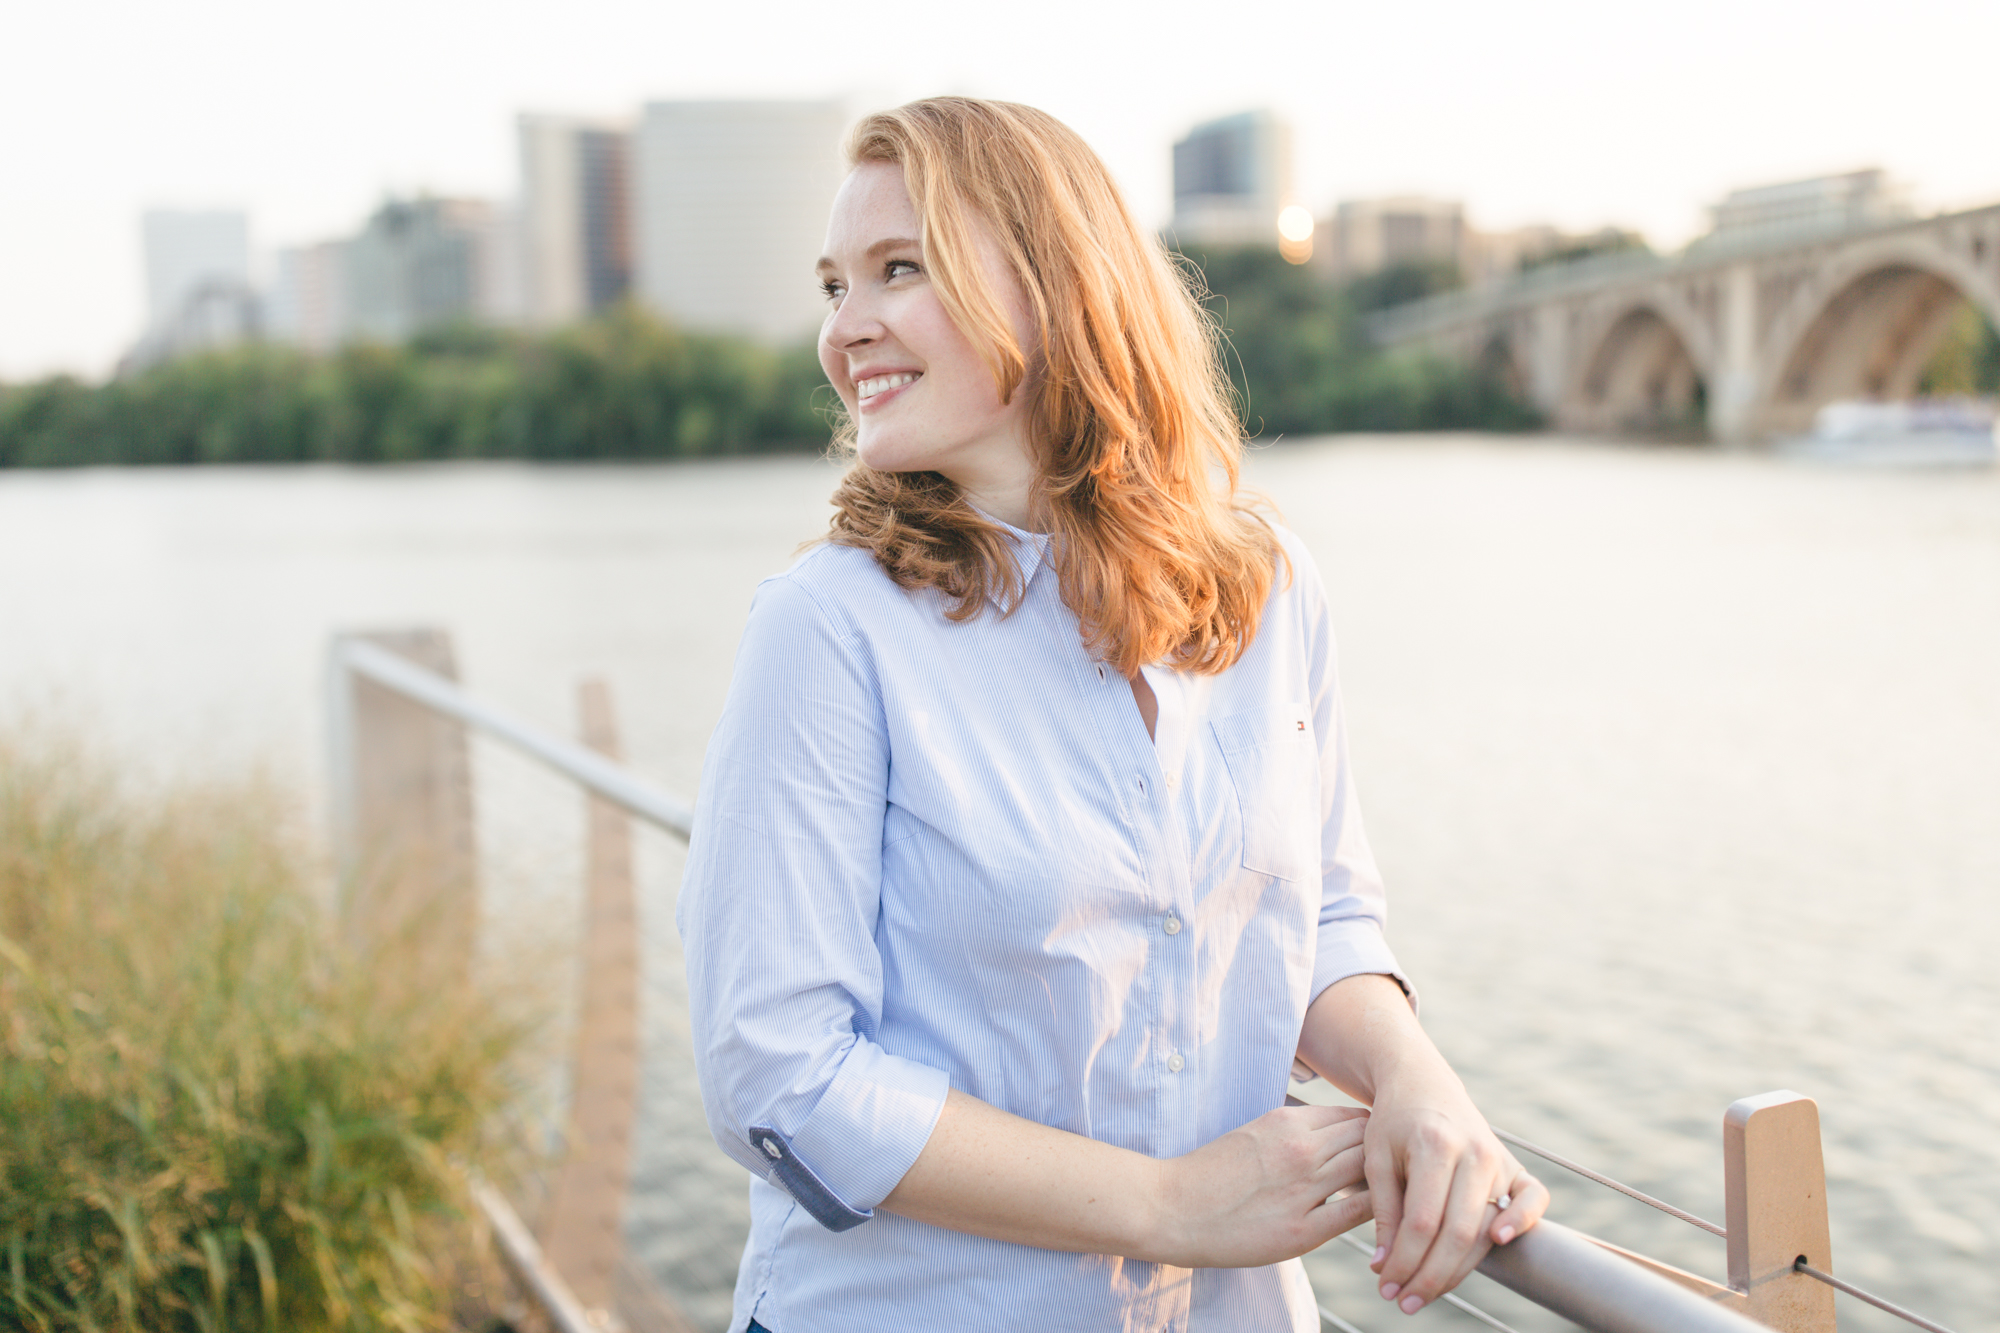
[[1159, 1226]]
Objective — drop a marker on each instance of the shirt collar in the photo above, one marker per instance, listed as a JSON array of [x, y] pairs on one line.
[[1030, 551]]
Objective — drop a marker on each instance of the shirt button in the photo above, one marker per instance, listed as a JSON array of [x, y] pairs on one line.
[[1172, 925], [1173, 781], [1175, 1064]]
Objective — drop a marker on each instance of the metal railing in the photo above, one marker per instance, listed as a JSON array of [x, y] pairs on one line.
[[401, 803], [1799, 1265], [587, 769], [538, 1277], [1774, 1177]]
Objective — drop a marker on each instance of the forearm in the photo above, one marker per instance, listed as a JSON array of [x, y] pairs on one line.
[[1361, 1032], [997, 1175], [1257, 1195]]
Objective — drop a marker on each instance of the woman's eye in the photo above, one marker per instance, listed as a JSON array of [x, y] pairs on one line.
[[830, 289], [898, 267]]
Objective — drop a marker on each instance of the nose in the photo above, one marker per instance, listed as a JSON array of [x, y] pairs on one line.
[[854, 324]]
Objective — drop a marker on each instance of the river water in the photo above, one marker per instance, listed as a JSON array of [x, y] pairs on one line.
[[1683, 767]]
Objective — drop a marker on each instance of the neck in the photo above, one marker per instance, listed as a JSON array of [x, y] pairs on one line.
[[1010, 507], [1003, 487]]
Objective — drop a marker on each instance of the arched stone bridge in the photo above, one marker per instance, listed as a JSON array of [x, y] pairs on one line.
[[1754, 336]]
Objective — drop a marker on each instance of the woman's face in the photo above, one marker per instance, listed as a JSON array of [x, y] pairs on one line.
[[919, 394]]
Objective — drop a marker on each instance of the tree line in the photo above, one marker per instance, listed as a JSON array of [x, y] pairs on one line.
[[626, 385]]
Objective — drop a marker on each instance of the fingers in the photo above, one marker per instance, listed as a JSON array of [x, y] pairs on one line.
[[1527, 1200], [1325, 1117], [1385, 1187], [1461, 1240], [1342, 1134], [1341, 1170], [1337, 1217], [1427, 1201]]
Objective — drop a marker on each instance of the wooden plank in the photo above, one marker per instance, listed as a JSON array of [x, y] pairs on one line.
[[1774, 1180], [1680, 1277], [583, 1227], [409, 863]]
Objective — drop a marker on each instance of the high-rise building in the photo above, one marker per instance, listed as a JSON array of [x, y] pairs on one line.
[[1823, 203], [198, 292], [731, 202], [1367, 235], [418, 263], [308, 300], [190, 254], [1232, 177], [576, 217], [500, 280]]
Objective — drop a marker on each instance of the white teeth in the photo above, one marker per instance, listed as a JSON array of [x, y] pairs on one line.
[[865, 389]]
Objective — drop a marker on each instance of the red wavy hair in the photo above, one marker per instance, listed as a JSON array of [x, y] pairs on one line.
[[1157, 553]]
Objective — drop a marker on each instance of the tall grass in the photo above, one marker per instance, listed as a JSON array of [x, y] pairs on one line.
[[209, 1118]]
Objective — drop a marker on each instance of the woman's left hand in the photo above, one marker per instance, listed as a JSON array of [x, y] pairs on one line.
[[1438, 1175], [1435, 1169]]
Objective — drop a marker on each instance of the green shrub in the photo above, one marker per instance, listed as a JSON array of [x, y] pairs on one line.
[[624, 385], [1302, 363], [210, 1120]]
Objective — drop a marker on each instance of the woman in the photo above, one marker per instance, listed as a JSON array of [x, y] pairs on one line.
[[1027, 863]]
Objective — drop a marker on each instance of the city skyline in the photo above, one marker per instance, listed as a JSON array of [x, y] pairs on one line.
[[1565, 114]]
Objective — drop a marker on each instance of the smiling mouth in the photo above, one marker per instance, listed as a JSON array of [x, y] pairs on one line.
[[866, 389]]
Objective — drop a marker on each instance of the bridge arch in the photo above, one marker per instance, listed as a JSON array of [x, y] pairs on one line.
[[1645, 369], [1865, 327]]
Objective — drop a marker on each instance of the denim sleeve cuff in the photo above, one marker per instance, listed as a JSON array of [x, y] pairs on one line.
[[1354, 947], [795, 1178], [869, 1126]]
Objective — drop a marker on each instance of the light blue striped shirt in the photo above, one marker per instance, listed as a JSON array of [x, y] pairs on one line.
[[932, 854]]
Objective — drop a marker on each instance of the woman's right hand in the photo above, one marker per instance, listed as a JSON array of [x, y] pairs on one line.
[[1260, 1194]]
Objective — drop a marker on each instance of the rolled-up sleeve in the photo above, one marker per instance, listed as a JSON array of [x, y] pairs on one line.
[[777, 915], [1353, 907]]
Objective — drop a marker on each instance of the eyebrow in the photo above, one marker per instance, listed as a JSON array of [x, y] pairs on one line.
[[887, 243]]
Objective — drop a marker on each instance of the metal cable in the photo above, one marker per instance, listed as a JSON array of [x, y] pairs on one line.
[[1609, 1183], [1888, 1307], [1448, 1298], [1858, 1294]]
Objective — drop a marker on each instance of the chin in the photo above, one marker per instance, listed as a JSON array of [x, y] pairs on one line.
[[885, 452]]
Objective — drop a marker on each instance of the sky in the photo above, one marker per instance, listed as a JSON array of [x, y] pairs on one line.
[[1578, 112]]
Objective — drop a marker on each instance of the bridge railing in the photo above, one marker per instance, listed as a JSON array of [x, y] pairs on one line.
[[402, 809], [1416, 319]]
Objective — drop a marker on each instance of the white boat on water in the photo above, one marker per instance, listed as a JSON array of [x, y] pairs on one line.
[[1919, 432]]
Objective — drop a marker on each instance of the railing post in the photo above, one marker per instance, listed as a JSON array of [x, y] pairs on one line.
[[402, 807], [1774, 1180], [583, 1231]]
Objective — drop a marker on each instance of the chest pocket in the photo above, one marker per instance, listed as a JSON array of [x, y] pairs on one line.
[[1274, 766]]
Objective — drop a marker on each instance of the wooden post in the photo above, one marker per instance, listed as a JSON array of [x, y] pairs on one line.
[[583, 1229], [1774, 1181], [402, 798]]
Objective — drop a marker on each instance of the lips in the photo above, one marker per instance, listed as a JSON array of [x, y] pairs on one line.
[[878, 389]]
